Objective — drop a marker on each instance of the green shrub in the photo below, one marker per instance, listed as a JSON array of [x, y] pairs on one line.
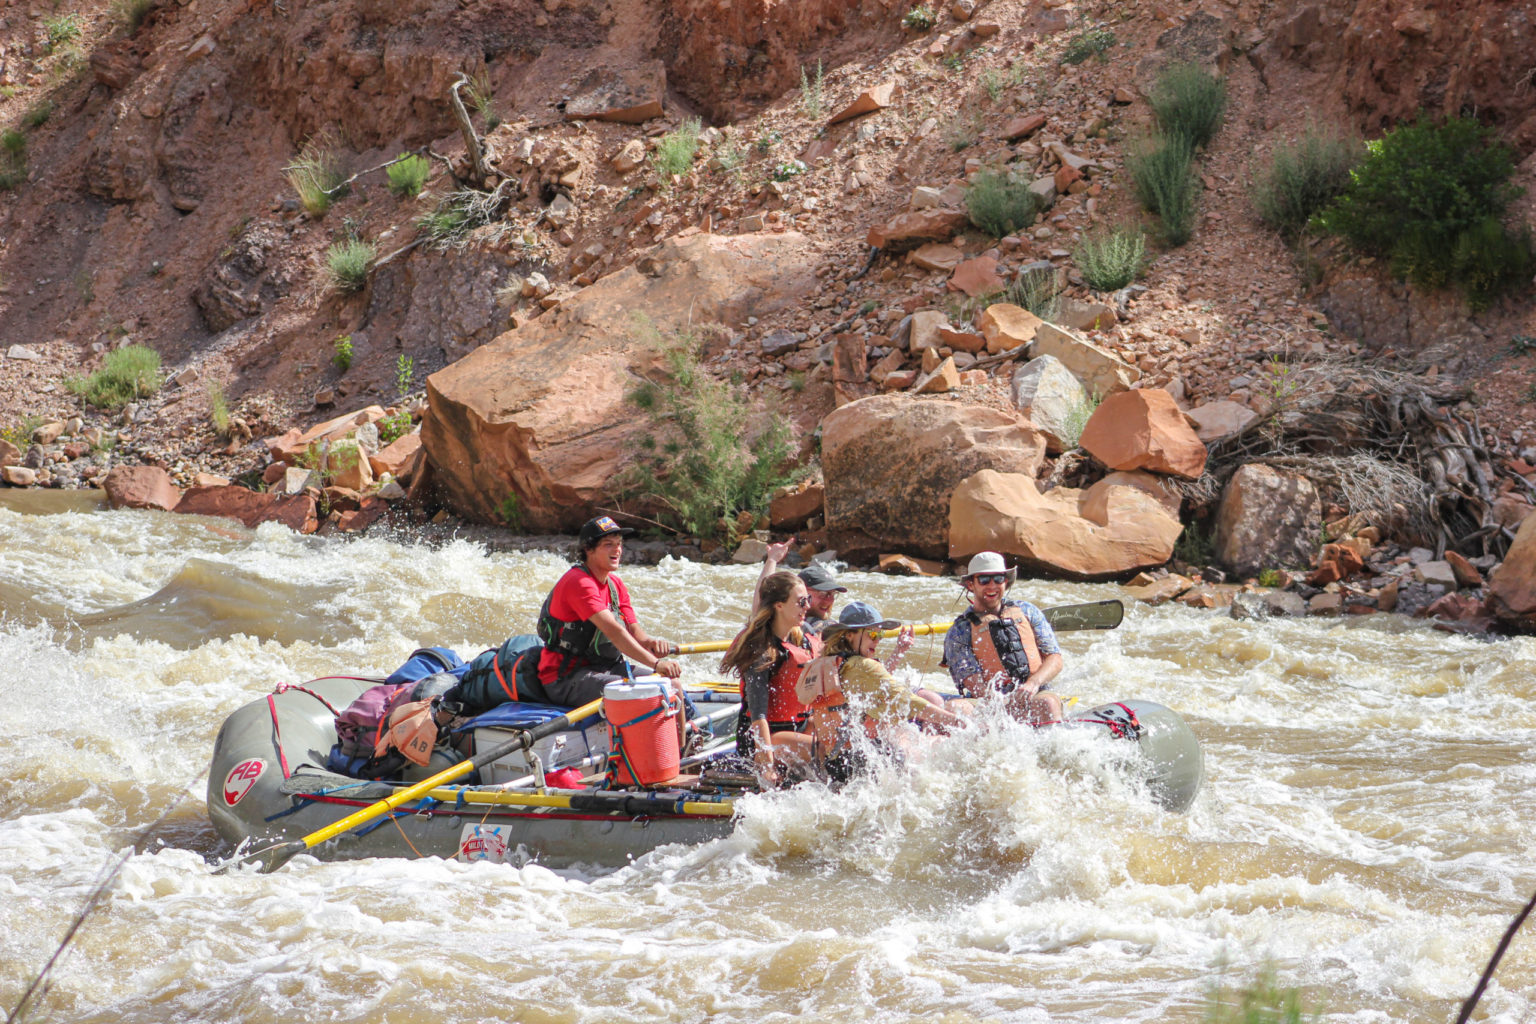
[[1000, 204], [1077, 418], [1188, 103], [1431, 199], [132, 12], [919, 19], [511, 512], [349, 263], [1269, 578], [1036, 291], [711, 453], [130, 372], [13, 159], [341, 357], [448, 222], [786, 169], [1195, 546], [317, 176], [675, 150], [1163, 177], [1094, 43], [812, 100], [20, 432], [483, 99], [218, 409], [62, 30], [1110, 260], [1303, 177], [408, 174], [38, 113]]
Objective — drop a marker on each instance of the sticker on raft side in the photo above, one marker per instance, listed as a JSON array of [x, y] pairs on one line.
[[241, 778], [484, 842]]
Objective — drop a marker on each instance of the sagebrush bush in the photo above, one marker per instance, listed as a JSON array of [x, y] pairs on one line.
[[132, 12], [920, 19], [1188, 103], [1163, 178], [1109, 260], [675, 150], [316, 174], [1303, 177], [1093, 43], [349, 263], [1036, 291], [1000, 204], [711, 453], [13, 159], [218, 409], [130, 372], [408, 174], [1431, 199]]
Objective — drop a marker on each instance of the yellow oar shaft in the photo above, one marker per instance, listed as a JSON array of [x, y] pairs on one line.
[[721, 809]]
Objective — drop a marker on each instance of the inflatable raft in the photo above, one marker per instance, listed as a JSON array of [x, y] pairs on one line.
[[266, 785]]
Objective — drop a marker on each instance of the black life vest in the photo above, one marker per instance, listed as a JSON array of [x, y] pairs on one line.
[[580, 643]]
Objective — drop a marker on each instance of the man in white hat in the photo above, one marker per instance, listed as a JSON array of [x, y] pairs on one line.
[[1003, 646]]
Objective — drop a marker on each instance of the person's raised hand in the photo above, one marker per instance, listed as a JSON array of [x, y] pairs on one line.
[[777, 550]]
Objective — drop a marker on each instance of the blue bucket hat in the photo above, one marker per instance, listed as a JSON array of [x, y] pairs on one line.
[[858, 615]]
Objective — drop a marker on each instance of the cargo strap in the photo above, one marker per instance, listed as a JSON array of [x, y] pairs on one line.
[[1128, 727], [618, 753]]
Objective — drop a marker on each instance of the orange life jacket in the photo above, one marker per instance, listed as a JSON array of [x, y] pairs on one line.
[[1005, 648], [783, 705]]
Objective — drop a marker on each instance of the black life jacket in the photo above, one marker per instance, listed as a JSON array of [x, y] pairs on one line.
[[580, 643]]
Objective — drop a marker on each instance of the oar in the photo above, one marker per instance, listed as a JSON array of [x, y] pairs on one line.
[[274, 857], [1093, 615], [623, 803]]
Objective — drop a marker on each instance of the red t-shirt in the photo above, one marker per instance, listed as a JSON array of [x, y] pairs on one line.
[[576, 598]]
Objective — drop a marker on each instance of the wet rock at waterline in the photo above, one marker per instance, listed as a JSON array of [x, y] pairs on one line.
[[140, 487], [1104, 531], [541, 412], [1268, 519], [892, 463]]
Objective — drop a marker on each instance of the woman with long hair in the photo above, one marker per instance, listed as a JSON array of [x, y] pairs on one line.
[[768, 656]]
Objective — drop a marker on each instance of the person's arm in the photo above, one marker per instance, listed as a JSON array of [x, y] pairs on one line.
[[660, 648], [904, 641], [620, 636], [1050, 667], [754, 694], [1051, 661], [771, 560], [936, 716], [964, 669]]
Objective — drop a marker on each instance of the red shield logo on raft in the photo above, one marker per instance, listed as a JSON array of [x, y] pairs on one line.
[[241, 778]]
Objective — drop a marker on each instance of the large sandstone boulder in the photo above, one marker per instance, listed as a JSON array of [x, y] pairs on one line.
[[892, 462], [629, 95], [1512, 587], [1268, 519], [140, 487], [1053, 399], [540, 412], [297, 512], [1107, 530], [1144, 429], [1099, 369]]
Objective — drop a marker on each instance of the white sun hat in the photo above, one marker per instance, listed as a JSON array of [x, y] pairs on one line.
[[985, 563]]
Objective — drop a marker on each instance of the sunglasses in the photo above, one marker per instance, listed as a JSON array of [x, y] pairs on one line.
[[991, 577], [803, 602]]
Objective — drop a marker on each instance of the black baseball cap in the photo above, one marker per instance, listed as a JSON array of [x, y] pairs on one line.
[[819, 577], [594, 530]]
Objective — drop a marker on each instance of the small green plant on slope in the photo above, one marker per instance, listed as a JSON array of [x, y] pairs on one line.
[[349, 263], [812, 99], [62, 30], [132, 12], [675, 150], [1163, 177], [408, 174], [1194, 546], [341, 354], [511, 512], [962, 130], [1188, 103], [130, 372], [1094, 43], [711, 453], [1035, 290], [38, 114], [398, 423], [13, 159], [1431, 198], [919, 19], [483, 99], [1077, 418], [316, 175], [1000, 204], [1269, 578], [993, 82], [218, 408], [1303, 177], [1111, 259], [20, 432]]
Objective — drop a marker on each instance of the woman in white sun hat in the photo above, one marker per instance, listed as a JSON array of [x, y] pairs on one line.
[[1002, 646]]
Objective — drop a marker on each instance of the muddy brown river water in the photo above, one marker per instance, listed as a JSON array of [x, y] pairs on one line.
[[1366, 829]]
